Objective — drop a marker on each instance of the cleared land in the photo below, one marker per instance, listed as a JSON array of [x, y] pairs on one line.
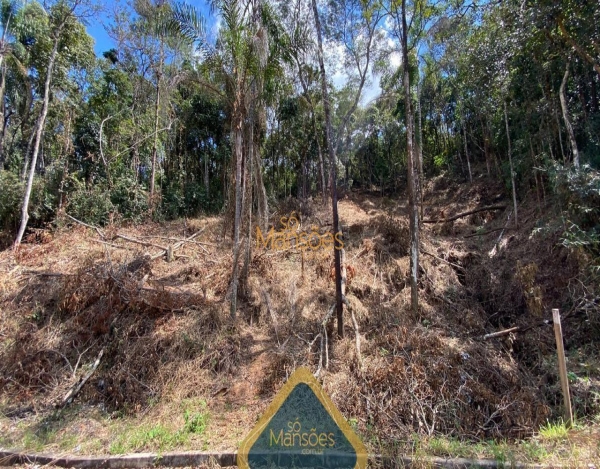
[[177, 373]]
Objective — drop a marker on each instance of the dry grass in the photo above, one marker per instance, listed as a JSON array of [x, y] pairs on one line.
[[169, 341]]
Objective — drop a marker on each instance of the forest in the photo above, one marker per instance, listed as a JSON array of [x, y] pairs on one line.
[[236, 188]]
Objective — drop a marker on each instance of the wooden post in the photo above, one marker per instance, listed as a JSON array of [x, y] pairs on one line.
[[562, 367]]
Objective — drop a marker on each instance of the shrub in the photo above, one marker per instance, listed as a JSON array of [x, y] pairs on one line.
[[90, 204], [579, 193], [42, 203], [11, 197], [128, 197], [188, 201]]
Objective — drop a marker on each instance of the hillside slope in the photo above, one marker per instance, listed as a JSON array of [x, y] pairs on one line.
[[170, 352]]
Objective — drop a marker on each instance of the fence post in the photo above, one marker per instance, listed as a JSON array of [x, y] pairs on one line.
[[562, 367]]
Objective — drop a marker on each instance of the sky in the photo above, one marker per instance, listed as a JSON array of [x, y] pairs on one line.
[[96, 27]]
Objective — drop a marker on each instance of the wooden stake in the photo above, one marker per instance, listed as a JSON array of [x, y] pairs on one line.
[[562, 367]]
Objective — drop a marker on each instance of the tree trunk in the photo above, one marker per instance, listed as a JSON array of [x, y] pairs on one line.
[[321, 160], [26, 158], [565, 112], [467, 153], [594, 92], [39, 130], [420, 145], [332, 175], [413, 181], [2, 113], [237, 131], [560, 140], [577, 47], [206, 176], [250, 198], [261, 193], [486, 147], [512, 171], [156, 123], [66, 151], [314, 124]]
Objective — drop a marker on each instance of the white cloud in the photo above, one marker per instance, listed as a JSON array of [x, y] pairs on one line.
[[371, 92], [395, 59]]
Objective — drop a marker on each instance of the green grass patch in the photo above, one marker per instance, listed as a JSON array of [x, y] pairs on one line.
[[161, 437], [554, 431], [156, 437]]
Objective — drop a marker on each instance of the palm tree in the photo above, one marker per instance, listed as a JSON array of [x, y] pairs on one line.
[[237, 68]]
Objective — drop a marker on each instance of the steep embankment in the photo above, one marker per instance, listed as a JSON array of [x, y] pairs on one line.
[[171, 355]]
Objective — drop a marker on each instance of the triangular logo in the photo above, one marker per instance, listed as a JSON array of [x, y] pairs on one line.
[[302, 428]]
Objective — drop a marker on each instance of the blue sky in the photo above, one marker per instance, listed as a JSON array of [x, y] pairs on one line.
[[96, 26], [96, 29]]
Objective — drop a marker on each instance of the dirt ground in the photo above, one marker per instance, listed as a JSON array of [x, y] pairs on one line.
[[168, 349]]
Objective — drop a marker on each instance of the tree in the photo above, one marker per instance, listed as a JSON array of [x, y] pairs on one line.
[[238, 66], [413, 178], [63, 27], [357, 32], [154, 25]]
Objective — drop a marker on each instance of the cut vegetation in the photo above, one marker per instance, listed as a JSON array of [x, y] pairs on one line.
[[178, 373]]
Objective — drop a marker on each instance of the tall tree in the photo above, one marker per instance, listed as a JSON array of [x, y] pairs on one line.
[[63, 27], [413, 178], [356, 30]]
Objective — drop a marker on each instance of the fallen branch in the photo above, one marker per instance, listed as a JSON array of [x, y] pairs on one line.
[[98, 230], [501, 333], [460, 267], [143, 243], [171, 249], [34, 273], [493, 251], [267, 301], [168, 250], [324, 341], [186, 240], [483, 233], [521, 329], [112, 245], [464, 214], [199, 243], [77, 387]]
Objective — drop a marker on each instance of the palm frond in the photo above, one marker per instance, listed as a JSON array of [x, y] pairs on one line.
[[191, 24]]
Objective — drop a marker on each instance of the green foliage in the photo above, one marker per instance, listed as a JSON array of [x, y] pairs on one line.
[[172, 202], [579, 192], [195, 422], [440, 161], [89, 203], [42, 206], [188, 201], [128, 197], [97, 203], [11, 197], [158, 437]]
